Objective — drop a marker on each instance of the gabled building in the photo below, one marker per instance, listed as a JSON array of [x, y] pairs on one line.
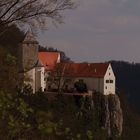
[[49, 59], [98, 77]]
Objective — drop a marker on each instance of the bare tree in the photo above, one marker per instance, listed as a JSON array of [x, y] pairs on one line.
[[34, 12], [58, 78]]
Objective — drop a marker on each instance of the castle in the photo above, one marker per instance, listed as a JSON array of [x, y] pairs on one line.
[[36, 66], [31, 69]]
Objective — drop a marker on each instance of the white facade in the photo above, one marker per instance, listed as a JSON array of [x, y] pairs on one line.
[[109, 81], [29, 78], [35, 78], [39, 78]]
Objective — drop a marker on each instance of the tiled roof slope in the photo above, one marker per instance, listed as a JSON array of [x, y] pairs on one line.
[[48, 59], [85, 69]]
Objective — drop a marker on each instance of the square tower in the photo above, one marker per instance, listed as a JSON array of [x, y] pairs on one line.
[[28, 52]]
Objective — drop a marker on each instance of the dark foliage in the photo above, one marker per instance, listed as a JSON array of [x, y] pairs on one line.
[[80, 86], [128, 80], [11, 38], [131, 124]]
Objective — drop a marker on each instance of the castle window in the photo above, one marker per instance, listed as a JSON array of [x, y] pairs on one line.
[[111, 81], [106, 87], [107, 81]]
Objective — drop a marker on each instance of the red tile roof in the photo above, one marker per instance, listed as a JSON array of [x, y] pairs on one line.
[[85, 69], [48, 59]]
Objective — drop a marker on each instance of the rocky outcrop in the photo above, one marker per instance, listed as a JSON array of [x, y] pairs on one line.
[[116, 116], [111, 117]]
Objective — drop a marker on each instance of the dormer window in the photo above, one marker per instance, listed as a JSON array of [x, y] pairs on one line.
[[94, 70]]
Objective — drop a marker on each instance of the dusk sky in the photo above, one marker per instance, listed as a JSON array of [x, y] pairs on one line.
[[98, 31]]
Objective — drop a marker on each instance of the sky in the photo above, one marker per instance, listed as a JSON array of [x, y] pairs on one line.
[[98, 31]]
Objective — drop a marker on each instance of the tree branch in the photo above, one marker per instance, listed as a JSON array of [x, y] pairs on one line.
[[3, 4], [15, 3], [31, 11], [21, 7]]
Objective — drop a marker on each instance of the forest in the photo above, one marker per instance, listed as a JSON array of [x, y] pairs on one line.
[[127, 81]]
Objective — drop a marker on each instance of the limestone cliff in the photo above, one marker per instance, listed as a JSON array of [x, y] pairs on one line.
[[110, 113]]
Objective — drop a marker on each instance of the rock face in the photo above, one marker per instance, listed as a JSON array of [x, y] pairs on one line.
[[116, 116], [110, 113]]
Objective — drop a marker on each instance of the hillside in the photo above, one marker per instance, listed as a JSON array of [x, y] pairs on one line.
[[131, 124], [127, 80]]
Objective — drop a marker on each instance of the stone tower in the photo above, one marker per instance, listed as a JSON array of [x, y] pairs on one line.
[[28, 52]]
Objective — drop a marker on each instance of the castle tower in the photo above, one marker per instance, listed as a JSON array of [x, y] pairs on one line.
[[31, 70], [28, 52]]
